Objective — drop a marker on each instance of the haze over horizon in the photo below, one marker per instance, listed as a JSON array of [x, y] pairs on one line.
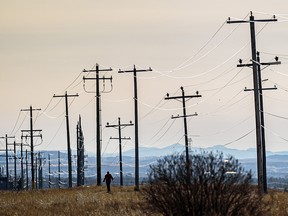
[[46, 45]]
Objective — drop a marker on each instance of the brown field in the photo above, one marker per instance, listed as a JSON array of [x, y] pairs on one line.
[[95, 201]]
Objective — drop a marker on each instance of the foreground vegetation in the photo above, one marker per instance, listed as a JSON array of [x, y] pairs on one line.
[[210, 185], [76, 201], [95, 201]]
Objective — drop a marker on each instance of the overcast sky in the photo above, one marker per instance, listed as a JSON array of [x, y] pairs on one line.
[[45, 45]]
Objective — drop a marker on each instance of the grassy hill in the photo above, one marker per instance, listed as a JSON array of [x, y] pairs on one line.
[[95, 201]]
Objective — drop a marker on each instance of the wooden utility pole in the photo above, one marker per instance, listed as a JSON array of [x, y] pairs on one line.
[[31, 134], [261, 111], [21, 164], [27, 180], [80, 154], [49, 171], [98, 116], [120, 138], [184, 116], [68, 136], [135, 71], [15, 163], [36, 171], [258, 103], [40, 170], [59, 170]]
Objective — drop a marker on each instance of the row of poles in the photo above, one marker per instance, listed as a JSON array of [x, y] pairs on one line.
[[37, 163], [259, 116], [258, 102]]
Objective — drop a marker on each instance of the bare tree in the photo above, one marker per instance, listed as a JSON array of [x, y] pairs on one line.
[[215, 186]]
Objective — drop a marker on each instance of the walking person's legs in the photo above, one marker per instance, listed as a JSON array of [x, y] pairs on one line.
[[108, 186]]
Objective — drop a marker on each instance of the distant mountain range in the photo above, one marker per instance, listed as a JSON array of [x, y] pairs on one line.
[[178, 148], [276, 162]]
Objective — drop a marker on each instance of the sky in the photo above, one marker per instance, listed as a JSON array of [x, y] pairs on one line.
[[45, 45]]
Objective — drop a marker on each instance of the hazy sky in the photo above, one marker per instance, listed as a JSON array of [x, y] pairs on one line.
[[46, 44]]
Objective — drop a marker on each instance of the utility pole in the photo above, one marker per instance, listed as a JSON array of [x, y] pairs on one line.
[[68, 135], [259, 118], [7, 157], [98, 116], [27, 180], [22, 163], [31, 131], [49, 171], [40, 170], [184, 116], [120, 138], [59, 170], [80, 154], [135, 71], [36, 171], [261, 111], [14, 159], [7, 164], [15, 163]]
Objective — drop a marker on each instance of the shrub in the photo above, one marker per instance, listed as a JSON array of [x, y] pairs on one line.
[[215, 186]]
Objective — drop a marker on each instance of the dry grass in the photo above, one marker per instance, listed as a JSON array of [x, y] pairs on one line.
[[277, 202], [95, 201], [76, 201]]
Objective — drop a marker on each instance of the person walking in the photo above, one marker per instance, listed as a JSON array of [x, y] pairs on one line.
[[108, 178]]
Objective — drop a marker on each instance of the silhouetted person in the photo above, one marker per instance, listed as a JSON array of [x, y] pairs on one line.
[[108, 178], [19, 184]]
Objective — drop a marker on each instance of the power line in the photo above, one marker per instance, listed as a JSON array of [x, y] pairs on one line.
[[277, 116], [215, 47], [165, 132], [168, 120], [227, 129], [19, 125], [213, 36], [236, 140], [275, 134], [207, 71], [16, 122]]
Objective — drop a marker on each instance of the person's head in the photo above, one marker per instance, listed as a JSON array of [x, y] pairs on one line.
[[107, 172]]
